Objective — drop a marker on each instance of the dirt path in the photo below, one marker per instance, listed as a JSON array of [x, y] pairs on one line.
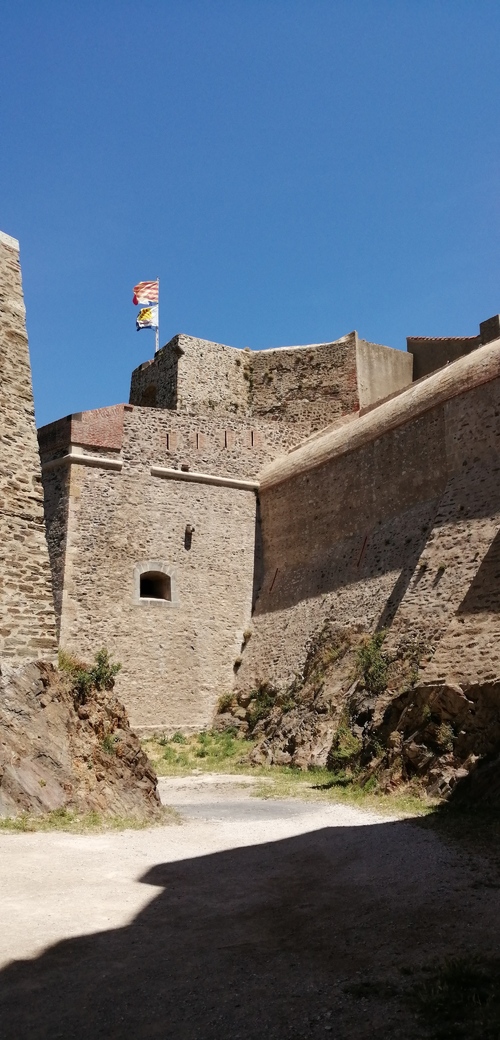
[[253, 919]]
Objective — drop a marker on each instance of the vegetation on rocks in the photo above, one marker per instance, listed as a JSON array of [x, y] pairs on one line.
[[84, 678], [361, 709], [67, 746]]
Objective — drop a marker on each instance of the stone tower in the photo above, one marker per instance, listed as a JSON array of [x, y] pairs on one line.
[[27, 623]]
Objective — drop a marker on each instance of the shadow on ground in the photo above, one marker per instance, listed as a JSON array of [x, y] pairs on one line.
[[265, 942]]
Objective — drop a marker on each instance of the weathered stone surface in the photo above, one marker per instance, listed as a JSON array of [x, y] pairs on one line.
[[429, 735], [27, 624], [56, 754], [392, 521], [304, 388], [201, 408]]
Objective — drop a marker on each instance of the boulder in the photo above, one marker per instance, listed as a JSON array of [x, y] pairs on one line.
[[55, 753]]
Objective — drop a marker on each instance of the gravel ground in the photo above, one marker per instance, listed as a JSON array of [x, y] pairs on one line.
[[252, 919]]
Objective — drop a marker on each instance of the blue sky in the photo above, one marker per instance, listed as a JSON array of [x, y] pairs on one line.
[[290, 169]]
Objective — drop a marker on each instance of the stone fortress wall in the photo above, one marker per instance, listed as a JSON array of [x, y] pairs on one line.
[[293, 484], [205, 531], [300, 389], [168, 484], [393, 520], [27, 627]]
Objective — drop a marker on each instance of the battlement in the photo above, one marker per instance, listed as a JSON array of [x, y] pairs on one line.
[[306, 387]]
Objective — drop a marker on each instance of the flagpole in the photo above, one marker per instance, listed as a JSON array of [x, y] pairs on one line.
[[157, 334]]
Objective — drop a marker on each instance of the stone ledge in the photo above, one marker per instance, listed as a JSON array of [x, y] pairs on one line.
[[204, 478], [473, 370], [83, 460]]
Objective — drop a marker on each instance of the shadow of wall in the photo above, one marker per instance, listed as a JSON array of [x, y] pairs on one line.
[[258, 941]]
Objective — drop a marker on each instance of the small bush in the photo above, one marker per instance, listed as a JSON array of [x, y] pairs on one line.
[[373, 664], [445, 737], [461, 998], [263, 700], [179, 738], [108, 744], [345, 747], [100, 676], [225, 703]]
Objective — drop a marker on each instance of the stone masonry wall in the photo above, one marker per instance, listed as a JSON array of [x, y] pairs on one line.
[[99, 428], [304, 388], [381, 371], [196, 376], [177, 657], [392, 521], [27, 628]]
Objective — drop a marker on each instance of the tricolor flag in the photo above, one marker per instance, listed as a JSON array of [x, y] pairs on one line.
[[146, 292], [147, 318]]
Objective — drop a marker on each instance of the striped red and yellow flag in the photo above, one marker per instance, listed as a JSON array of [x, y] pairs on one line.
[[146, 292]]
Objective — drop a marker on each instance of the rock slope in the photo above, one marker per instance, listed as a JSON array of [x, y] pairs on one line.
[[59, 752], [361, 709]]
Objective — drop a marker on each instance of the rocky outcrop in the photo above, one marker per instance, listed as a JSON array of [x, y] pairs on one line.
[[61, 749], [361, 709]]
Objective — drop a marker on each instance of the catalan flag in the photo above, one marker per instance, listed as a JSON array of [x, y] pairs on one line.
[[147, 318], [146, 293]]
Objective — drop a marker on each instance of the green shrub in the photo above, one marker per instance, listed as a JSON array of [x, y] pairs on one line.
[[445, 736], [460, 998], [225, 703], [263, 700], [345, 746], [373, 664], [99, 676], [108, 744]]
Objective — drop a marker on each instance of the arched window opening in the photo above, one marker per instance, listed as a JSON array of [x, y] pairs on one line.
[[155, 585]]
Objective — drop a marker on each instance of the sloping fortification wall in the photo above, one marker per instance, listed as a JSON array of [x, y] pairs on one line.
[[116, 508], [27, 627], [392, 520]]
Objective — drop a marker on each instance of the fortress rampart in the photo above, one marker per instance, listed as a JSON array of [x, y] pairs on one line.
[[27, 627], [176, 495], [295, 484], [392, 520], [166, 485], [304, 388]]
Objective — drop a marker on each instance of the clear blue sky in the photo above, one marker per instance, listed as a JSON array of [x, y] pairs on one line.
[[290, 169]]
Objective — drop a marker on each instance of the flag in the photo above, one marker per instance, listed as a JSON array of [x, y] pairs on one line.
[[147, 318], [146, 292]]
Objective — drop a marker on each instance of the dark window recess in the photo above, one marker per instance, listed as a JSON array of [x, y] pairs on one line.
[[148, 399], [155, 585]]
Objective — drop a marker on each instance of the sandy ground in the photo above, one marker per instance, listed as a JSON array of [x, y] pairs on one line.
[[252, 919]]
